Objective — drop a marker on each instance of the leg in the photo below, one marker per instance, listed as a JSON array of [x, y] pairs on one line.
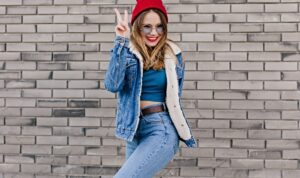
[[130, 147], [158, 145]]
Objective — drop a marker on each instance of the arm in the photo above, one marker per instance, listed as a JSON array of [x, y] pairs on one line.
[[115, 74]]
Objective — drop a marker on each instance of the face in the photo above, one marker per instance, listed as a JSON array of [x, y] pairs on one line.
[[152, 29]]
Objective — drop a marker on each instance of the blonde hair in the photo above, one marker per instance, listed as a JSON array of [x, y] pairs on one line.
[[153, 57]]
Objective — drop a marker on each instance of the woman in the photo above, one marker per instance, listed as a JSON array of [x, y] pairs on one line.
[[147, 72]]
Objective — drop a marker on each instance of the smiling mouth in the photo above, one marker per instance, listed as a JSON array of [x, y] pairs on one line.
[[152, 39]]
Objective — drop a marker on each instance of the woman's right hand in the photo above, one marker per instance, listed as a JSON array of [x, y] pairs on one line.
[[122, 27]]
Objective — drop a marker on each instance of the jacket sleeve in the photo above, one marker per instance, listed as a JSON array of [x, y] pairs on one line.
[[115, 74], [180, 81]]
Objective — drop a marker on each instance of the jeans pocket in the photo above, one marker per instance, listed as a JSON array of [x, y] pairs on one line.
[[153, 119]]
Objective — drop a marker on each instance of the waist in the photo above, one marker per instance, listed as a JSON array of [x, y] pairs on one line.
[[161, 107]]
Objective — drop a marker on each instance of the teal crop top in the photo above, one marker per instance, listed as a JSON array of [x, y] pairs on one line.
[[154, 85]]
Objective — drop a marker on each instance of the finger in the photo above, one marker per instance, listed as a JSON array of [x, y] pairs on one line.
[[126, 16], [120, 27], [118, 14]]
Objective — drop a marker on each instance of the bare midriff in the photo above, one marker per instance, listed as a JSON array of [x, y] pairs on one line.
[[148, 103]]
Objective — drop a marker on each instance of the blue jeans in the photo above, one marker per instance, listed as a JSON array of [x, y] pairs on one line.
[[154, 145]]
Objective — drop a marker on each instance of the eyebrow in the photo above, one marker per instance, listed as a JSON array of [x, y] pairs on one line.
[[152, 25]]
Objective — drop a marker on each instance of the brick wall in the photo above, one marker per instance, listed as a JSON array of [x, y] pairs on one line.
[[240, 94]]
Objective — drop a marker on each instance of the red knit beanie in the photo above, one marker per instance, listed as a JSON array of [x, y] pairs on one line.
[[143, 5]]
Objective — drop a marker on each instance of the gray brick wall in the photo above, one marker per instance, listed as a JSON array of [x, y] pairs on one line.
[[241, 93]]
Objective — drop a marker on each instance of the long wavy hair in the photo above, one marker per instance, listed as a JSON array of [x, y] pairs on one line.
[[153, 57]]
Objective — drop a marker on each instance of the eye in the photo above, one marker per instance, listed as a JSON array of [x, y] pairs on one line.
[[160, 29], [147, 29]]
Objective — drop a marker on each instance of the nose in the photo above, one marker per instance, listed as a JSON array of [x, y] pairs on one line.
[[153, 31]]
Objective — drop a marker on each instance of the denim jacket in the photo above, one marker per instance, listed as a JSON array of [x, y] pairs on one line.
[[124, 76]]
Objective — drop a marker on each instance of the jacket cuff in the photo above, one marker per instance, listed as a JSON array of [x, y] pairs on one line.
[[191, 142], [122, 40]]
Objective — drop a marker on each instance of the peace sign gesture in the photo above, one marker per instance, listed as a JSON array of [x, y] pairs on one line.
[[122, 28]]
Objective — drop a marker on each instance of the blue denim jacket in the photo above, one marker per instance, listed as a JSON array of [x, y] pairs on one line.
[[124, 76]]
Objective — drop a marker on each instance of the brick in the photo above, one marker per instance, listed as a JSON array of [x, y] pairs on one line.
[[10, 56], [281, 124], [230, 133], [65, 93], [196, 18], [246, 85], [51, 160], [72, 37], [21, 28], [36, 56], [280, 27], [68, 56], [247, 8], [83, 28], [198, 75], [86, 160], [193, 171], [213, 104], [9, 168], [264, 56], [290, 134], [265, 173], [20, 84], [51, 28], [68, 19], [19, 159], [84, 141], [52, 47], [265, 154], [282, 144], [32, 130], [20, 47], [230, 56], [247, 163], [247, 66], [52, 10], [10, 130], [265, 114], [67, 75], [264, 75], [230, 18], [84, 10], [247, 46], [280, 85], [51, 121], [247, 143], [270, 95], [70, 150], [10, 112], [204, 153], [290, 173], [37, 19], [36, 112], [68, 2], [291, 154], [281, 66], [230, 95], [264, 134], [246, 28], [213, 46], [99, 19], [230, 114], [43, 93], [182, 27], [247, 105], [36, 74], [213, 8], [67, 169], [178, 8], [51, 140], [84, 47], [11, 2], [19, 139], [37, 38], [230, 153], [213, 66], [281, 105], [94, 37], [10, 38], [212, 85], [37, 2], [264, 37], [51, 103], [35, 168], [20, 102], [281, 164], [10, 149], [213, 124], [51, 84], [291, 7], [10, 19]]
